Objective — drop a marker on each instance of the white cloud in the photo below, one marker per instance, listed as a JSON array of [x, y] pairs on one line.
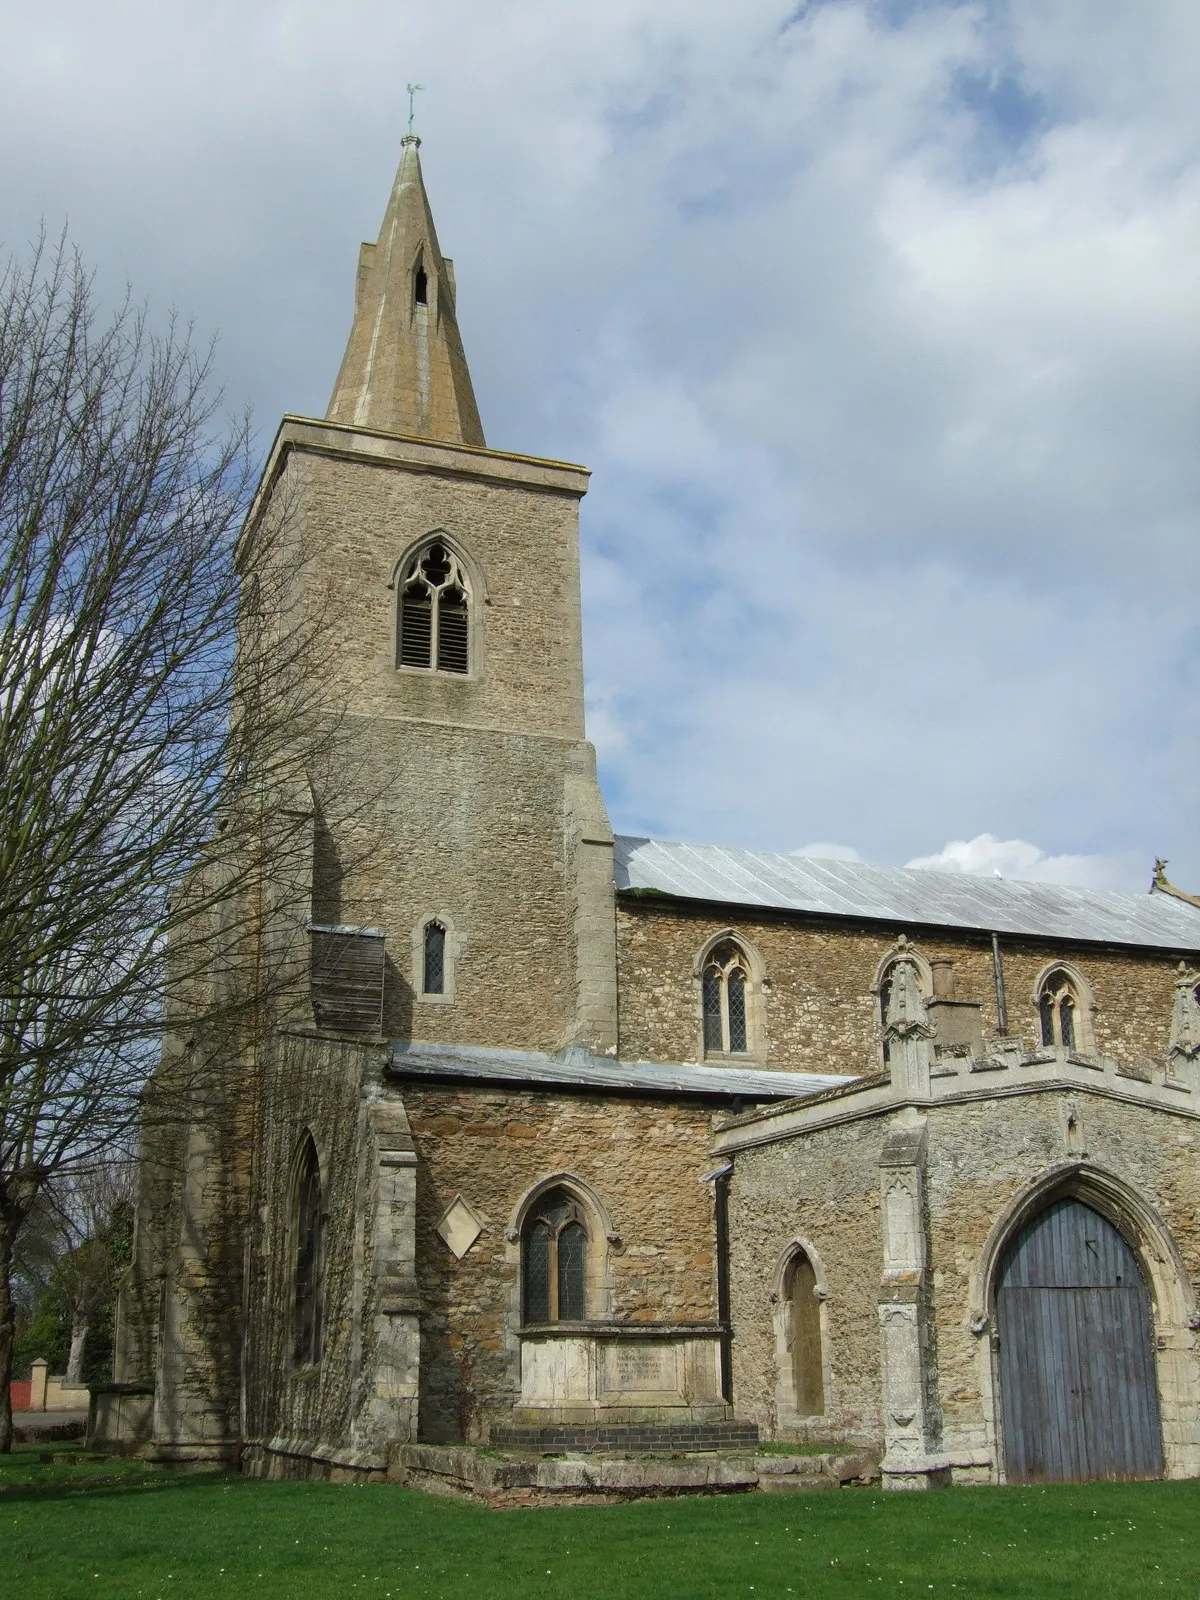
[[985, 856], [828, 852], [875, 323]]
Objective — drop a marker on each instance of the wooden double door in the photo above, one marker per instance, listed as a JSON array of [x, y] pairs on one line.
[[1078, 1385]]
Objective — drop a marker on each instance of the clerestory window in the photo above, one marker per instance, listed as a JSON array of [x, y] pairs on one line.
[[723, 990], [554, 1246], [1058, 1011], [435, 612]]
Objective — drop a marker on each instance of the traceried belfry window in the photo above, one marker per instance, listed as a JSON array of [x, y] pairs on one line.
[[310, 1261], [1058, 1010], [723, 987], [434, 975], [435, 612], [554, 1245]]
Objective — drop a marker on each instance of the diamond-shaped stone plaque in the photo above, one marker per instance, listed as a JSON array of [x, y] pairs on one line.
[[459, 1226]]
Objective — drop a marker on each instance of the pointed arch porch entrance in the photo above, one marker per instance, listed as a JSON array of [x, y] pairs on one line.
[[1078, 1382]]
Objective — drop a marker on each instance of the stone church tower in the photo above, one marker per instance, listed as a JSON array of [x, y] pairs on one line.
[[565, 1139]]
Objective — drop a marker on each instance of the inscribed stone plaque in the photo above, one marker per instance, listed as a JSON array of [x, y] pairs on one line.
[[642, 1368], [459, 1226]]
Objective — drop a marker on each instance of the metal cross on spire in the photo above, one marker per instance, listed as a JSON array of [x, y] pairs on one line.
[[413, 90]]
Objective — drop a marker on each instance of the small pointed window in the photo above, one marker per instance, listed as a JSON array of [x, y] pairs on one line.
[[420, 287], [435, 613], [804, 1337], [310, 1261], [885, 1000], [435, 959], [554, 1247], [723, 986], [1058, 1011]]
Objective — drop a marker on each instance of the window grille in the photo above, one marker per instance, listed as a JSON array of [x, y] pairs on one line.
[[724, 1004], [435, 958], [554, 1246], [310, 1252], [1058, 1007], [435, 613]]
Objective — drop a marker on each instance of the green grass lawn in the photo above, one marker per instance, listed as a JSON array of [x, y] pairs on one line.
[[114, 1531]]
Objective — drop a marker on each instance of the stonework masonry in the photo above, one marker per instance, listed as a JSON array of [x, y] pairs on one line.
[[821, 1005]]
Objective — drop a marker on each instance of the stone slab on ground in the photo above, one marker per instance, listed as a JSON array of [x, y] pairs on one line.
[[45, 1427], [508, 1478]]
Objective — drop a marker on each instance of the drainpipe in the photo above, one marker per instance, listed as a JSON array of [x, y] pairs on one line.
[[998, 970]]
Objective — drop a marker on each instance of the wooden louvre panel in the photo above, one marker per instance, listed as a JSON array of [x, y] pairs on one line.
[[347, 980], [452, 631], [416, 627]]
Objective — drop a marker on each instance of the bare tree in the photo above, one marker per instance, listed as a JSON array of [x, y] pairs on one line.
[[159, 692]]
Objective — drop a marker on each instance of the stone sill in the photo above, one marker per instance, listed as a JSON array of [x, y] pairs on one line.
[[624, 1330]]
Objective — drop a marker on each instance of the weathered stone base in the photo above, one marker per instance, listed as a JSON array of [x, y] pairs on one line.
[[496, 1480], [218, 1456], [293, 1459]]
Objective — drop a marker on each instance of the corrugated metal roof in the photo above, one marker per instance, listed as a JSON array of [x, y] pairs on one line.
[[577, 1069], [903, 896]]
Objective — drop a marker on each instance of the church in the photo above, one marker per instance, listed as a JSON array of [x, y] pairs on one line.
[[572, 1140]]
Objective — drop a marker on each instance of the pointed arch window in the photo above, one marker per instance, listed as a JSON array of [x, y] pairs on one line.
[[803, 1308], [886, 985], [1058, 1011], [435, 612], [723, 985], [554, 1252], [434, 965], [310, 1261]]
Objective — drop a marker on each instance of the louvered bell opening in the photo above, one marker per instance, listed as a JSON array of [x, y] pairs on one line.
[[737, 1011], [452, 631], [712, 1009], [435, 958], [416, 627], [536, 1286], [572, 1273]]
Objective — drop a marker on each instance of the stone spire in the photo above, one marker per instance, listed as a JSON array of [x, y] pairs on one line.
[[404, 370]]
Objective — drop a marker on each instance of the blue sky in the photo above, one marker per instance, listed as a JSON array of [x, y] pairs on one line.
[[877, 324]]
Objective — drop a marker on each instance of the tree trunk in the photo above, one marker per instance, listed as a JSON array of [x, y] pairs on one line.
[[8, 1327], [79, 1333]]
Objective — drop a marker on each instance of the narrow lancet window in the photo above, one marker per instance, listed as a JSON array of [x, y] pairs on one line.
[[434, 624], [435, 959], [420, 287], [804, 1336], [723, 985], [554, 1247]]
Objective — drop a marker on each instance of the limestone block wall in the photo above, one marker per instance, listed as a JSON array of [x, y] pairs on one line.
[[642, 1163], [466, 825], [984, 1160], [822, 1190], [982, 1157], [819, 1011], [366, 508]]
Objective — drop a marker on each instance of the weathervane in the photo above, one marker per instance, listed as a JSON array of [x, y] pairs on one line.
[[413, 90]]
